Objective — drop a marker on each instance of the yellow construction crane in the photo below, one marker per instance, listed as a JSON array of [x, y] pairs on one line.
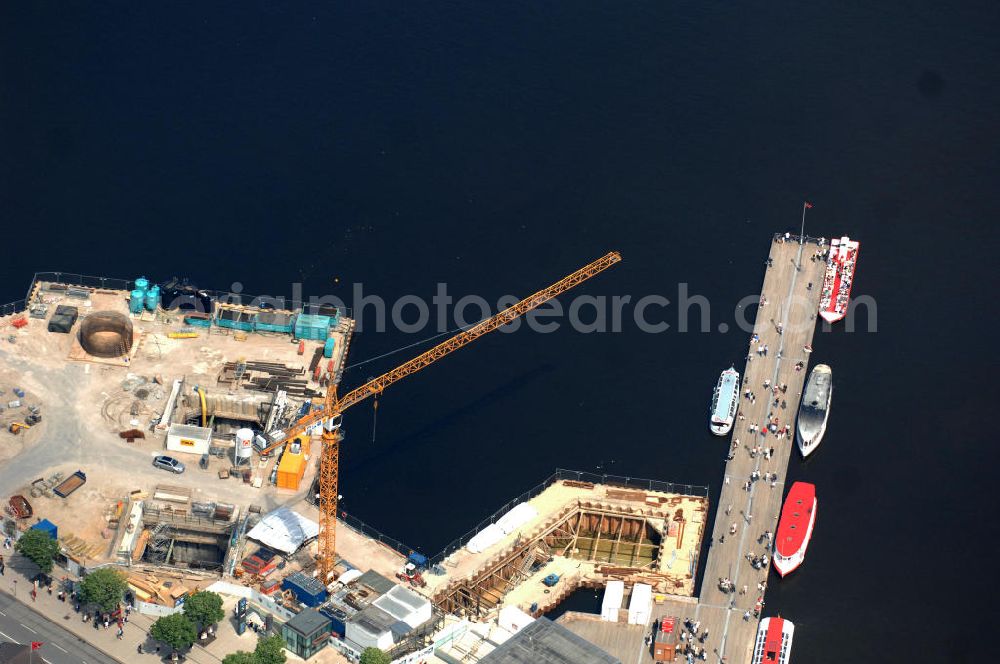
[[334, 406]]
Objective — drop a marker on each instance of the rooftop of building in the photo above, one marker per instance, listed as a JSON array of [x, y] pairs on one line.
[[308, 622], [544, 641]]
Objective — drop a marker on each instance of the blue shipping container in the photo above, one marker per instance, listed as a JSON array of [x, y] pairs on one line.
[[307, 590], [308, 326]]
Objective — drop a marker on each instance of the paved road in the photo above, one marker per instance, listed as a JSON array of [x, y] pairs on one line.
[[18, 623]]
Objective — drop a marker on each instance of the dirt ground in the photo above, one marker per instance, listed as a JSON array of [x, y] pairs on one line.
[[86, 403]]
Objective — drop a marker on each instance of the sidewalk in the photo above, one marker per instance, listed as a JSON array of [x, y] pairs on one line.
[[136, 629]]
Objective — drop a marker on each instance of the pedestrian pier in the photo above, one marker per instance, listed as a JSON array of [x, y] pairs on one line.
[[785, 325]]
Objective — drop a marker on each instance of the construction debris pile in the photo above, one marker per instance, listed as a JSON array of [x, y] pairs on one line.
[[19, 414]]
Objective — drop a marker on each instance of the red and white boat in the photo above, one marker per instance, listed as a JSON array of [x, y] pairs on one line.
[[798, 516], [836, 293], [774, 641]]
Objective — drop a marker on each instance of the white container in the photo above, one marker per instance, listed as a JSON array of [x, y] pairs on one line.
[[188, 439], [641, 604], [613, 594]]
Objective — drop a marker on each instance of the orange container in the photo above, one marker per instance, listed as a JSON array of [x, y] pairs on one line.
[[290, 471]]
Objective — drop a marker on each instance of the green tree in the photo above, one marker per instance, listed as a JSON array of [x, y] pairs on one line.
[[38, 547], [175, 630], [104, 587], [204, 608], [270, 650], [374, 656], [239, 657]]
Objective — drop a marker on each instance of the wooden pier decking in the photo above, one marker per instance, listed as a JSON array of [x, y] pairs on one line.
[[785, 324], [792, 285]]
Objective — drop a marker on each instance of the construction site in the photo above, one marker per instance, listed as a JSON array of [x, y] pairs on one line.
[[227, 418]]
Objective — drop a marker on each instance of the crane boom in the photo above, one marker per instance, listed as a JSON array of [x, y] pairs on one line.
[[329, 468], [334, 405]]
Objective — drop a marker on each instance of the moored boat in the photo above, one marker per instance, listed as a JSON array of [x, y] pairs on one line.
[[839, 277], [725, 402], [798, 516], [814, 409], [774, 641]]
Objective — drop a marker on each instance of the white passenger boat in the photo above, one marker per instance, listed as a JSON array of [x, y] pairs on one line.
[[725, 402]]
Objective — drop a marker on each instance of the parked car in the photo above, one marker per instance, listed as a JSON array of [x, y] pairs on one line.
[[168, 463]]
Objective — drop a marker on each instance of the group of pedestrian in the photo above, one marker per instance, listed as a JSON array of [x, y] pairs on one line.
[[758, 562], [691, 639]]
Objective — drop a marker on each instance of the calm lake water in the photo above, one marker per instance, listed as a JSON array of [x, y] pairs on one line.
[[498, 146]]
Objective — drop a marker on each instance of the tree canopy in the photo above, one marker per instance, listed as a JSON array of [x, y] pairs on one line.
[[374, 656], [175, 630], [269, 650], [38, 547], [204, 608], [104, 587]]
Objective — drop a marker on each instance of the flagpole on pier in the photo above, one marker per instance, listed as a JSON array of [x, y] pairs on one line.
[[802, 231]]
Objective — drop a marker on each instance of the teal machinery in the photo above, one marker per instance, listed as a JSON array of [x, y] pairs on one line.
[[152, 298], [137, 298]]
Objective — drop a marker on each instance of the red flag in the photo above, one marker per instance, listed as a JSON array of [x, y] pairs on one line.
[[808, 204], [35, 645]]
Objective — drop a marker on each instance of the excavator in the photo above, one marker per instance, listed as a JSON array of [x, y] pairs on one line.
[[330, 416]]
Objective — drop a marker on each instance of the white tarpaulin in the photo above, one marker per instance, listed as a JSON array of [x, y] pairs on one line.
[[485, 538], [284, 530], [349, 575], [521, 514]]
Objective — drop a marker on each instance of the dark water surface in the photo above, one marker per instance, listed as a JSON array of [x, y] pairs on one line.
[[498, 146]]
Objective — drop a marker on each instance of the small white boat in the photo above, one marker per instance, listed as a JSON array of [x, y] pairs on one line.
[[814, 409], [725, 402]]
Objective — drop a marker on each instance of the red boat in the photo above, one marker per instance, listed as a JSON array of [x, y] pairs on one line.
[[774, 641], [836, 293], [798, 515]]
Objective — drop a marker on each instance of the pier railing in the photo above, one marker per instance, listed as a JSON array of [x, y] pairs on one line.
[[363, 528], [579, 476], [359, 526], [12, 308], [112, 283]]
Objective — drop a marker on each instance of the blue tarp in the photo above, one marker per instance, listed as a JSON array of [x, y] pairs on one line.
[[47, 526]]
